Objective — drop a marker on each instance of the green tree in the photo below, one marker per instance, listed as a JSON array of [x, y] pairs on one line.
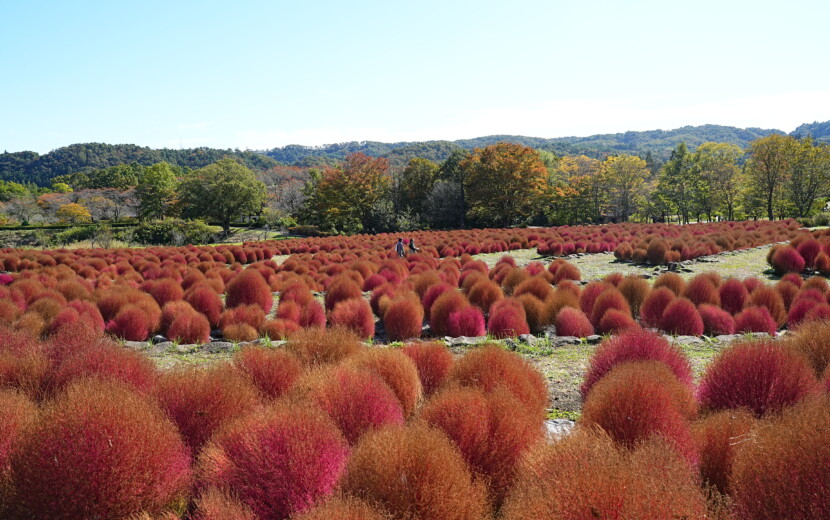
[[768, 169], [223, 191], [156, 191], [625, 177], [809, 176], [452, 191], [415, 184], [505, 184], [720, 178], [678, 182]]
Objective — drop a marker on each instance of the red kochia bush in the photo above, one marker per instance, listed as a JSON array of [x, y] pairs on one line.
[[651, 311], [357, 400], [586, 476], [433, 362], [469, 321], [615, 321], [755, 319], [106, 361], [164, 290], [117, 455], [490, 367], [761, 376], [812, 340], [341, 289], [323, 346], [403, 319], [345, 508], [189, 327], [272, 371], [206, 301], [415, 472], [278, 462], [492, 431], [484, 294], [681, 318], [635, 345], [249, 287], [786, 259], [447, 303], [131, 323], [733, 296], [18, 413], [354, 314], [718, 437], [508, 319], [214, 504], [200, 400], [716, 321], [632, 405], [610, 298], [784, 471], [397, 370], [573, 322]]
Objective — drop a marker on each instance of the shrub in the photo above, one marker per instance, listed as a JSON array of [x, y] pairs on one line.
[[671, 281], [206, 301], [433, 362], [651, 311], [354, 314], [342, 508], [397, 370], [809, 250], [18, 413], [200, 400], [107, 362], [755, 319], [635, 289], [635, 345], [249, 288], [484, 294], [812, 340], [279, 329], [414, 472], [341, 289], [716, 321], [786, 259], [403, 319], [796, 445], [312, 315], [164, 290], [566, 271], [538, 287], [656, 251], [272, 371], [700, 290], [589, 296], [214, 504], [718, 437], [490, 430], [615, 321], [146, 468], [681, 318], [432, 294], [761, 376], [822, 263], [189, 327], [586, 476], [573, 322], [610, 298], [490, 367], [173, 231], [733, 296], [358, 400], [323, 346], [536, 313], [131, 323], [239, 332], [636, 401], [469, 321], [278, 462], [508, 319], [447, 303], [768, 297]]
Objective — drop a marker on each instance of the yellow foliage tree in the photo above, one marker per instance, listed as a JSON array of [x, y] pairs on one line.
[[73, 213]]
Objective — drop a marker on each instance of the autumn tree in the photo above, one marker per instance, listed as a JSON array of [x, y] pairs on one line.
[[768, 169], [505, 184], [156, 191], [342, 198], [449, 191], [578, 192], [415, 183], [223, 192], [625, 177], [809, 176], [720, 178], [73, 213]]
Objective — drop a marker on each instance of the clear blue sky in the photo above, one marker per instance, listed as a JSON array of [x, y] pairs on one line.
[[256, 75]]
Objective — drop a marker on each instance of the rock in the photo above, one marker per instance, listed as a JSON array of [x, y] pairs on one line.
[[530, 339], [158, 338], [727, 338], [593, 339], [465, 340], [216, 347], [186, 348], [558, 428], [688, 340], [136, 345], [561, 341]]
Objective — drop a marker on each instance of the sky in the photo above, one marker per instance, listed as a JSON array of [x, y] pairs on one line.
[[262, 74]]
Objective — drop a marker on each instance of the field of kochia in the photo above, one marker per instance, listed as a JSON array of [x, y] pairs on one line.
[[327, 425]]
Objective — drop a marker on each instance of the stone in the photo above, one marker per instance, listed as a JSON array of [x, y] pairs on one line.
[[593, 339], [558, 428], [465, 340], [688, 340], [216, 347]]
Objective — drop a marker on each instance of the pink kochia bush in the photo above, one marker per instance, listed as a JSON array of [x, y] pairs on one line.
[[469, 321], [117, 455], [573, 322], [508, 319], [635, 345], [277, 462], [761, 376], [354, 314], [681, 317]]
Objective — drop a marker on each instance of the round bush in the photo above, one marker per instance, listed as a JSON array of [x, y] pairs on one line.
[[490, 367], [249, 288], [272, 371], [784, 472], [415, 472], [755, 319], [341, 289], [615, 321], [323, 346], [508, 319], [681, 318], [145, 466], [635, 345], [484, 294], [131, 323], [812, 340], [573, 322], [718, 437], [403, 319], [214, 504], [433, 362], [206, 301], [397, 370], [716, 321], [733, 296], [651, 311], [278, 462], [610, 298], [354, 314], [786, 259], [469, 321], [105, 361], [761, 376], [345, 508]]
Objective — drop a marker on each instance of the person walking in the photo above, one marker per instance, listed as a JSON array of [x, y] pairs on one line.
[[412, 248], [399, 248]]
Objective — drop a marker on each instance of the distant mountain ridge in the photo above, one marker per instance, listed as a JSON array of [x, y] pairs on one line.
[[32, 167]]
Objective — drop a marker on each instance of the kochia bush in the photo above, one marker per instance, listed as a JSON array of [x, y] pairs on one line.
[[433, 362], [249, 287]]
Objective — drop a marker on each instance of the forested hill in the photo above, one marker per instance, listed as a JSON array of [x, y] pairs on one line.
[[659, 142], [32, 167]]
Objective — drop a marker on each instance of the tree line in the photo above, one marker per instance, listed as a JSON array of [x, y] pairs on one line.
[[499, 185]]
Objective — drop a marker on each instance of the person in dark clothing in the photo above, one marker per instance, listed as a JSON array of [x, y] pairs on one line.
[[399, 248], [412, 248]]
